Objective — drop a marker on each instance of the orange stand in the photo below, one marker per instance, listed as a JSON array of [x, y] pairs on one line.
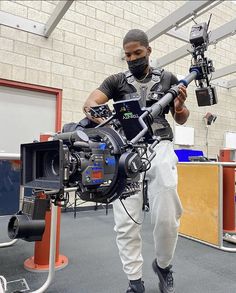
[[40, 261], [228, 155]]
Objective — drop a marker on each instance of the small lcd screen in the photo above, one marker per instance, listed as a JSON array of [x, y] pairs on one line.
[[96, 174]]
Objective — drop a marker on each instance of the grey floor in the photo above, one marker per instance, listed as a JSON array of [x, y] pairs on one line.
[[94, 266]]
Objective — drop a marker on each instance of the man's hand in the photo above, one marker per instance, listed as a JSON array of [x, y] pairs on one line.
[[90, 117], [180, 113], [180, 99], [96, 98]]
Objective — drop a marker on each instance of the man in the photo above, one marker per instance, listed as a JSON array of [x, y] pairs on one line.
[[166, 209]]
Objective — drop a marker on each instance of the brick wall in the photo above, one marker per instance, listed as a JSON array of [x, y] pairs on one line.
[[86, 45]]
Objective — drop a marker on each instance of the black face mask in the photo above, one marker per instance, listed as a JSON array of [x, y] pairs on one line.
[[137, 67]]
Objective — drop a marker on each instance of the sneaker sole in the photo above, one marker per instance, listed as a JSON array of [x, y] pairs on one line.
[[161, 288]]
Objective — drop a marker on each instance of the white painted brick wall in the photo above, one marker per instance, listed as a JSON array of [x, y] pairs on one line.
[[74, 39], [51, 55], [26, 49], [63, 47], [6, 44], [46, 6], [32, 76], [74, 61], [95, 24], [39, 41], [37, 64], [95, 45], [14, 8], [18, 73], [13, 34], [97, 5], [44, 79], [72, 15], [85, 53], [12, 58], [82, 8], [57, 81], [113, 10], [62, 69], [86, 47], [67, 25], [104, 16], [38, 16], [6, 70]]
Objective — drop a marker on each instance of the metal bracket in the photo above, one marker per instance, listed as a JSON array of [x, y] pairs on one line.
[[21, 23], [34, 27], [56, 16]]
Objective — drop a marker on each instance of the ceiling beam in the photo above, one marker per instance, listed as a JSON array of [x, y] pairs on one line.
[[174, 55], [56, 16], [190, 8], [178, 34], [222, 32], [21, 23], [231, 83], [202, 11], [35, 27], [228, 29], [224, 71]]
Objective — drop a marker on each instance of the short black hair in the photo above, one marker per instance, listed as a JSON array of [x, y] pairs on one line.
[[136, 35]]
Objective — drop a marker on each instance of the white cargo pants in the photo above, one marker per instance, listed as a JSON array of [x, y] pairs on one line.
[[165, 208]]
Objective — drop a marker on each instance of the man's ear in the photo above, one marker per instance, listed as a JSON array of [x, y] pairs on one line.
[[149, 50]]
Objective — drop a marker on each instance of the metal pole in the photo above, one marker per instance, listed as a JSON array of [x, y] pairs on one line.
[[7, 244], [207, 144], [52, 254]]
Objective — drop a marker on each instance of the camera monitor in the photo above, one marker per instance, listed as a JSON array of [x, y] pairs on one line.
[[128, 113], [42, 165]]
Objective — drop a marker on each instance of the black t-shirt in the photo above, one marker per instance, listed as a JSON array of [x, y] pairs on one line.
[[115, 87]]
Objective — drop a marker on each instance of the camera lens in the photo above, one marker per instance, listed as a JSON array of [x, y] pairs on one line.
[[51, 164], [13, 227], [55, 165]]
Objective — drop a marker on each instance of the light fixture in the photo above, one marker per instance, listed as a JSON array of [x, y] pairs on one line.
[[210, 118]]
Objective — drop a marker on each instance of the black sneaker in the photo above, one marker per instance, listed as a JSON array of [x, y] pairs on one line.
[[136, 287], [166, 284]]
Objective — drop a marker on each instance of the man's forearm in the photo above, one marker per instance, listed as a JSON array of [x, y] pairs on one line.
[[88, 104], [96, 98], [181, 116]]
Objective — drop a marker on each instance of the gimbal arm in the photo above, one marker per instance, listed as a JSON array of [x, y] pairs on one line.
[[158, 107]]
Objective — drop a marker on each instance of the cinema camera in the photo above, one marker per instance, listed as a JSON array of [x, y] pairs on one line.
[[103, 164], [199, 38]]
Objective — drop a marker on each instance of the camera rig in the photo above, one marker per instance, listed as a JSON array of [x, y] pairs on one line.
[[104, 163], [199, 38]]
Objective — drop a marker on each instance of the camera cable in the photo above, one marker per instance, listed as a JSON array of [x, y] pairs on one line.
[[127, 212], [145, 207]]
